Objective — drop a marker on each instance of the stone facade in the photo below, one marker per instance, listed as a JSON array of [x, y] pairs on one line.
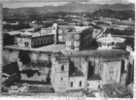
[[33, 42], [59, 75], [76, 83], [109, 70]]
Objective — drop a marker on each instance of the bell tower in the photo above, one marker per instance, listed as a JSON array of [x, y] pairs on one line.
[[59, 74]]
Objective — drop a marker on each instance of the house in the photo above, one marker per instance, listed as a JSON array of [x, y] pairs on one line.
[[76, 82], [29, 41], [94, 82]]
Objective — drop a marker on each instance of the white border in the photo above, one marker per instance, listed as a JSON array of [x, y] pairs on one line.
[[55, 97]]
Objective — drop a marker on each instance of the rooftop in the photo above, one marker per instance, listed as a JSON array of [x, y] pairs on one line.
[[94, 77], [107, 54], [53, 48], [76, 73], [110, 39]]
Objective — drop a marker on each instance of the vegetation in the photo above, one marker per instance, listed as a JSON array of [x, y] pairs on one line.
[[125, 14], [15, 27], [8, 39], [120, 32]]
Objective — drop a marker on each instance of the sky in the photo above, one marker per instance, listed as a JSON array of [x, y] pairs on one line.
[[40, 3]]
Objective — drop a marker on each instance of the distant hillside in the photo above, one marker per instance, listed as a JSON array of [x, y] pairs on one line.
[[123, 14], [71, 7], [119, 7]]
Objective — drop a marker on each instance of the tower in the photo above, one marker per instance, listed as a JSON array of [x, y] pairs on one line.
[[59, 74]]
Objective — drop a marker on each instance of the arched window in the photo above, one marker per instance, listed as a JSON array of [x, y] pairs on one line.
[[61, 78], [62, 68], [80, 83], [71, 84], [26, 44]]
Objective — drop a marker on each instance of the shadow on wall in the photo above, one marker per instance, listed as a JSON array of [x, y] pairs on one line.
[[10, 56], [31, 70]]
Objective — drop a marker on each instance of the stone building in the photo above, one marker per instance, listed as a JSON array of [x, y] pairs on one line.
[[42, 37], [59, 74], [110, 42], [33, 42], [77, 75], [80, 70], [76, 82], [92, 68]]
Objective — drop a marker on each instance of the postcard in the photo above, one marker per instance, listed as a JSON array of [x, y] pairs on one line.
[[67, 48]]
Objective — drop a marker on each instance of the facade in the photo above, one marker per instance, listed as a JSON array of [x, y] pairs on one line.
[[33, 42], [109, 42], [76, 83], [72, 41], [111, 72], [94, 83], [81, 40], [106, 71], [59, 74], [93, 70], [34, 39], [90, 69]]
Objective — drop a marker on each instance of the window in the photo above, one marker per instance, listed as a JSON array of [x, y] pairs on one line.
[[80, 83], [40, 41], [44, 41], [61, 78], [71, 84], [112, 43], [26, 44], [88, 84], [62, 68], [33, 42]]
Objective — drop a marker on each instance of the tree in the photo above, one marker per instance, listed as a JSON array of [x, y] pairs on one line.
[[8, 39], [24, 57]]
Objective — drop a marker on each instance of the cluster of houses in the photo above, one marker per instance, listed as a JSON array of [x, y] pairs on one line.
[[80, 69]]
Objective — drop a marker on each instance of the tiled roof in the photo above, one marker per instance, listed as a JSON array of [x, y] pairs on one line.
[[76, 73], [106, 54], [94, 77]]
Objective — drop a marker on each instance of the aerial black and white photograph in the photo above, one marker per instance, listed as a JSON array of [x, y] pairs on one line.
[[81, 48]]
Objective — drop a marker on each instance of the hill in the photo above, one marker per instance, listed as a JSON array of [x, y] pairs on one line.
[[27, 12], [121, 14]]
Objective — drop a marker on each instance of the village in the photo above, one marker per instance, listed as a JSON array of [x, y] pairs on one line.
[[76, 60]]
